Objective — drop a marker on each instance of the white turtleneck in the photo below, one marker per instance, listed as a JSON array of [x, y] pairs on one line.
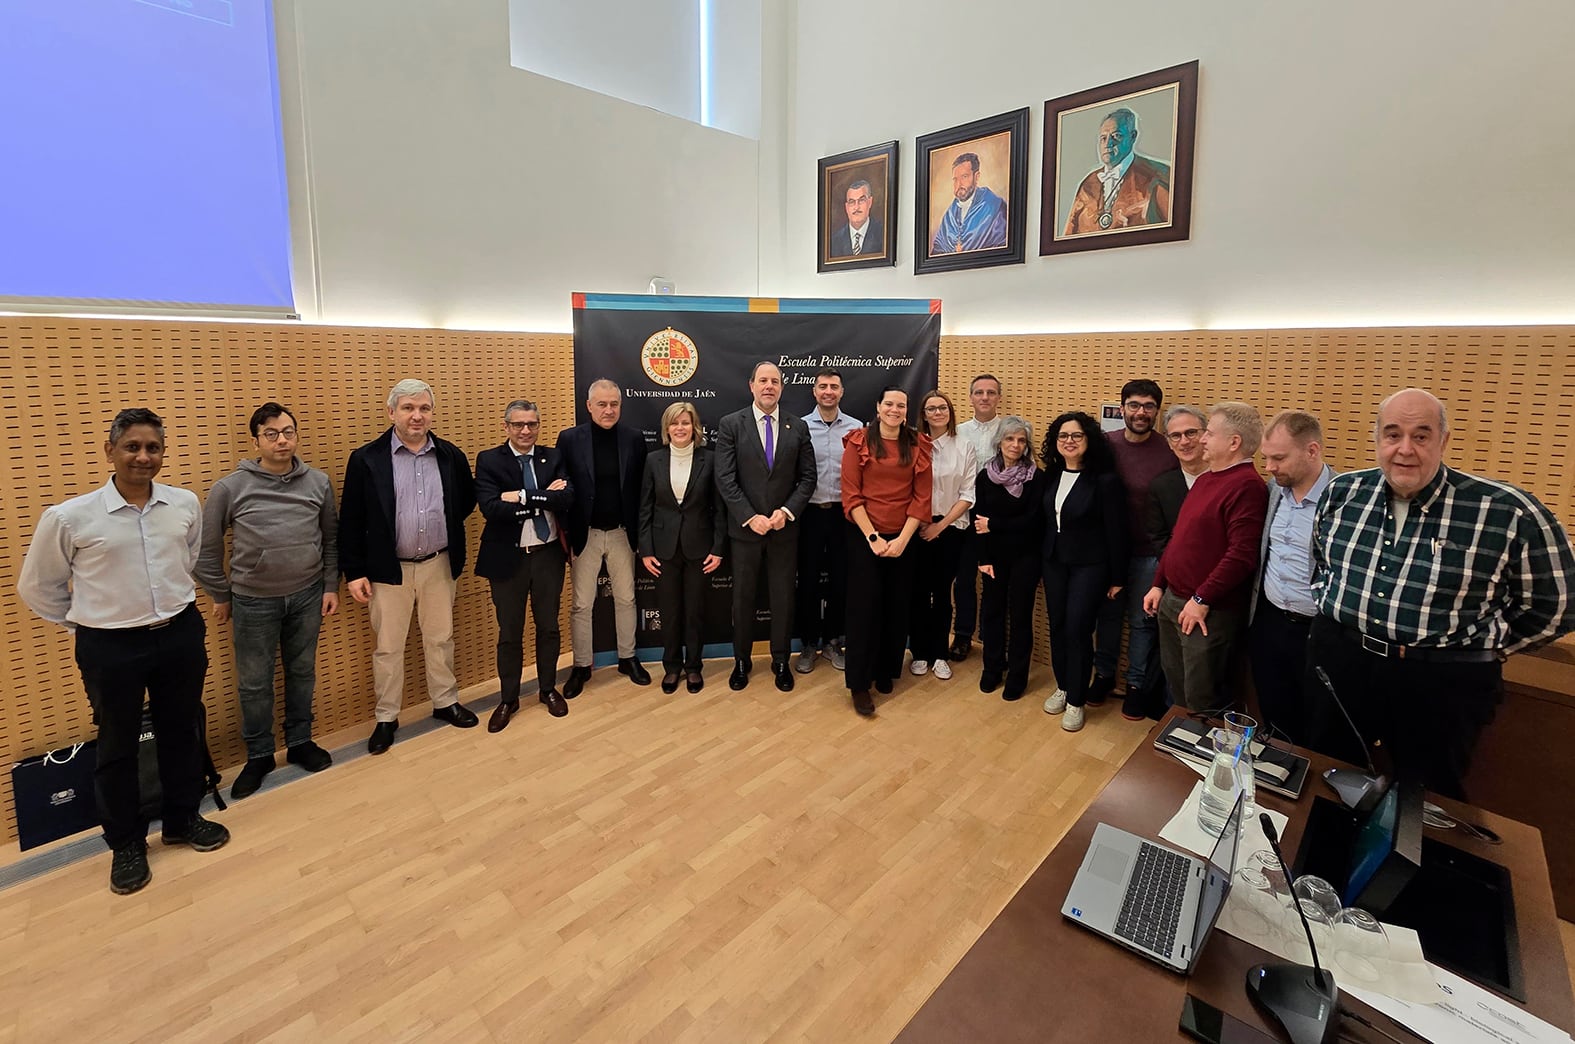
[[683, 461]]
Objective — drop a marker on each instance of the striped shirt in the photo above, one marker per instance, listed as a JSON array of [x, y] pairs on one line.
[[1476, 564]]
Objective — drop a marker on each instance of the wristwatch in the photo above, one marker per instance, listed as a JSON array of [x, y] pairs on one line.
[[1200, 601], [874, 537]]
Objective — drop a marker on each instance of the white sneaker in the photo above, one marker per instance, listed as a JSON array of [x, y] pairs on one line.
[[942, 670], [1056, 703], [919, 667], [1073, 719]]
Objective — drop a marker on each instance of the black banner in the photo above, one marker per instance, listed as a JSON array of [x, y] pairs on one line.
[[662, 350]]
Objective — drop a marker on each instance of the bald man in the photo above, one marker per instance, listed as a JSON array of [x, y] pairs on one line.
[[1426, 578]]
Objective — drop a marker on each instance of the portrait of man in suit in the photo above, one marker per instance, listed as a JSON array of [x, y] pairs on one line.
[[863, 234], [765, 471], [1128, 190]]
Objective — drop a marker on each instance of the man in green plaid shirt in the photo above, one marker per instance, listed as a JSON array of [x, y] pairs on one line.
[[1426, 578]]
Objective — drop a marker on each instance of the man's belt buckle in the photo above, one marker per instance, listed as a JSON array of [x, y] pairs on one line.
[[1376, 646]]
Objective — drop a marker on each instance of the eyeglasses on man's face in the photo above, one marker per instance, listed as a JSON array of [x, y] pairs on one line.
[[1135, 406], [522, 425], [275, 434], [1185, 435]]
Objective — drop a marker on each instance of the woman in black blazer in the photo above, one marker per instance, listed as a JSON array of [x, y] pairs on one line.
[[683, 530], [1085, 552], [1008, 515]]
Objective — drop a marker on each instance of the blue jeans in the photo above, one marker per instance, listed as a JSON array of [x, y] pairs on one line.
[[1143, 630], [265, 628]]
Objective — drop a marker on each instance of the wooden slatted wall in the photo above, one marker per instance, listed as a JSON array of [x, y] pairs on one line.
[[61, 380]]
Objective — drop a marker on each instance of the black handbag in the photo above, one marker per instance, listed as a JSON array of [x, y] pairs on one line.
[[54, 794]]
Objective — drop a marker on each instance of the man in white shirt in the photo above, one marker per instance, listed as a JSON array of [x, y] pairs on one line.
[[115, 566], [984, 394], [822, 541]]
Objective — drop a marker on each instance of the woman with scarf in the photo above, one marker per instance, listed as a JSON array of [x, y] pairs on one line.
[[1008, 515]]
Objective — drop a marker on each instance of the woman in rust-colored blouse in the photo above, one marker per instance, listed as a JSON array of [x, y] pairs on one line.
[[886, 487]]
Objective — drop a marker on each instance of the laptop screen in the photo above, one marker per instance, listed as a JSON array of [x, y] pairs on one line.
[[1216, 881]]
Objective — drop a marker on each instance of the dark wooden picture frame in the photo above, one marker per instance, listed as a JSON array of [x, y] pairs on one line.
[[1152, 198], [993, 149], [873, 169]]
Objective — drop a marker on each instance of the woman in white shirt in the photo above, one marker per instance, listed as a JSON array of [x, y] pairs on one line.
[[1085, 552], [940, 540]]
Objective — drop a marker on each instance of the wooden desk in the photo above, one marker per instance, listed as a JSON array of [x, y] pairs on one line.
[[1034, 976]]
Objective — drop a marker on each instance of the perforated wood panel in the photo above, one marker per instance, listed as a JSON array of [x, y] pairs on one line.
[[1505, 388], [62, 381]]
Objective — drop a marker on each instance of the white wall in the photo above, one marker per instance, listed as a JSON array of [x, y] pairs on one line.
[[443, 187], [1358, 162]]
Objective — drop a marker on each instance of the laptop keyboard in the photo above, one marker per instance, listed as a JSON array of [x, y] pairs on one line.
[[1151, 911]]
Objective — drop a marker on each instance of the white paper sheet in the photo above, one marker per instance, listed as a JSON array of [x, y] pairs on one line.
[[1465, 1014]]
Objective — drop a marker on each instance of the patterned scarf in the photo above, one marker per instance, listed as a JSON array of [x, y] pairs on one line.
[[1014, 477]]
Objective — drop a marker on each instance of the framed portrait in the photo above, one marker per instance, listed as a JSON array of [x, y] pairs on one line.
[[971, 194], [1118, 163], [858, 209]]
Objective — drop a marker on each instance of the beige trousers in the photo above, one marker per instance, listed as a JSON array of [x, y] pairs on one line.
[[610, 546], [428, 590]]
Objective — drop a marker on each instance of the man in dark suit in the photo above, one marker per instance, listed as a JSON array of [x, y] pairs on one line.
[[863, 235], [765, 471], [605, 462], [402, 546], [520, 488]]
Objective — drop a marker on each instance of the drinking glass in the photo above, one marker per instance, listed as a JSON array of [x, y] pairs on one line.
[[1360, 942]]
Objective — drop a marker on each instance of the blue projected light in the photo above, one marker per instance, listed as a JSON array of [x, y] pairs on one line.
[[145, 160]]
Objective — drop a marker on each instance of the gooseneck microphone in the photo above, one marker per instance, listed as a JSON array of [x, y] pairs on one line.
[[1302, 1000], [1356, 791]]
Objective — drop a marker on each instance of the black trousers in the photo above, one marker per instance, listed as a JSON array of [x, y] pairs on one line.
[[1006, 618], [879, 590], [934, 576], [777, 555], [539, 579], [1074, 595], [822, 548], [1427, 715], [1277, 647], [119, 666], [680, 598], [965, 591]]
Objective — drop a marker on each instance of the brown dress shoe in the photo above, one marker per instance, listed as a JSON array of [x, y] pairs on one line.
[[505, 710], [553, 701]]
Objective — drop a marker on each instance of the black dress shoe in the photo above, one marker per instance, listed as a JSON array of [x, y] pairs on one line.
[[863, 703], [740, 675], [578, 676], [551, 699], [883, 686], [501, 714], [670, 681], [635, 672], [989, 682], [784, 675], [456, 715], [960, 649], [382, 737], [1013, 692], [252, 774], [309, 756], [696, 681]]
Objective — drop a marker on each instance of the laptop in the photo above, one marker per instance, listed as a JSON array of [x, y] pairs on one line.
[[1150, 898]]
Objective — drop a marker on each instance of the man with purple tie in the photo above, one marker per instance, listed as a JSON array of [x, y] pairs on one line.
[[765, 471]]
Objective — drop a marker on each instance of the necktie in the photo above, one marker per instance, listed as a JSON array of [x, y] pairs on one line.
[[771, 446], [858, 241], [528, 473]]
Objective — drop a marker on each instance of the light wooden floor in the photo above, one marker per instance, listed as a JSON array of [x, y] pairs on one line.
[[720, 867]]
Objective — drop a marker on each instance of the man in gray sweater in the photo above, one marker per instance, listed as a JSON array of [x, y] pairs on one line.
[[283, 579]]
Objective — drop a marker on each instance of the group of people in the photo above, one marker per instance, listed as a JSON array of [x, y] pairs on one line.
[[1397, 590]]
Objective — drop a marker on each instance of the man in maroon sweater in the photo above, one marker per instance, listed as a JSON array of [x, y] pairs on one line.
[[1204, 578]]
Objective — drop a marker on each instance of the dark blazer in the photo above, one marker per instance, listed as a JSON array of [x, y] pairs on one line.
[[747, 487], [579, 460], [366, 509], [1016, 523], [1165, 496], [842, 240], [498, 472], [1093, 525], [698, 527]]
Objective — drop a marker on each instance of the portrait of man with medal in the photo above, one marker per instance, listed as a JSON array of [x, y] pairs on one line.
[[1141, 133]]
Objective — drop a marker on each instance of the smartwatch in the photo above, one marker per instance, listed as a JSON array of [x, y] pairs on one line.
[[1200, 601], [874, 537]]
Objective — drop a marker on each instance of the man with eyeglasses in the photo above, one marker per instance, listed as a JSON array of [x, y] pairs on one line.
[[1141, 457], [283, 578], [521, 486], [864, 234]]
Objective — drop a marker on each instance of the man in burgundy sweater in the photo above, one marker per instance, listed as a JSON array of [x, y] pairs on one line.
[[1204, 578]]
